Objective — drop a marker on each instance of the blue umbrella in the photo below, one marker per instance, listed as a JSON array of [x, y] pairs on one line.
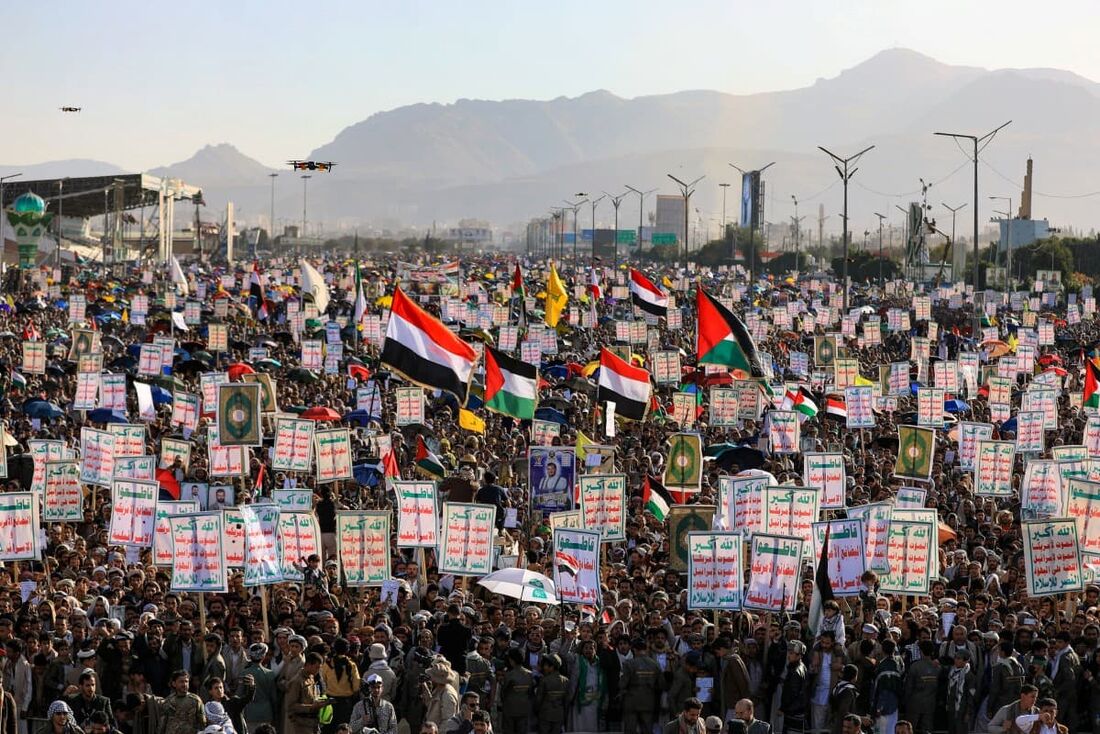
[[42, 410], [160, 395], [1009, 425], [558, 372], [103, 415], [550, 414], [359, 417], [955, 406]]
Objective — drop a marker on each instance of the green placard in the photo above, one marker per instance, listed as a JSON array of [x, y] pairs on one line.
[[663, 238]]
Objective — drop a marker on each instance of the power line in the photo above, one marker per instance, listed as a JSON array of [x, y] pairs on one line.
[[914, 192], [1040, 193]]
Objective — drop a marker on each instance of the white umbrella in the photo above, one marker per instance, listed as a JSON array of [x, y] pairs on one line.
[[519, 583]]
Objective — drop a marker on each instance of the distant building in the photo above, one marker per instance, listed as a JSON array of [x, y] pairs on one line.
[[670, 216], [1022, 230], [470, 236]]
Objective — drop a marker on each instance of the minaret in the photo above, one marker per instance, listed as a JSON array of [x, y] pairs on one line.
[[1025, 198]]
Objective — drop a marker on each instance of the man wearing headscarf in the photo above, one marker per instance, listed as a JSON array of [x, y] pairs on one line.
[[265, 702], [59, 720]]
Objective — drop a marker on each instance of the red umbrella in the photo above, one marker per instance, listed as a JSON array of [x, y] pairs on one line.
[[240, 368], [1056, 370], [358, 371], [166, 478], [1048, 359], [320, 413]]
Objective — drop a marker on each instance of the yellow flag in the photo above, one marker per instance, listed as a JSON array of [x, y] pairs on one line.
[[556, 297], [862, 381], [125, 316], [583, 442], [468, 420]]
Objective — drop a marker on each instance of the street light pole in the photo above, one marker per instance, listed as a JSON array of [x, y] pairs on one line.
[[686, 190], [575, 206], [954, 210], [594, 202], [305, 190], [845, 177], [615, 201], [752, 224], [881, 279], [271, 234], [975, 140], [641, 210], [725, 188]]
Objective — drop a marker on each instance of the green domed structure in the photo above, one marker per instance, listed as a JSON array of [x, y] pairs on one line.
[[29, 202]]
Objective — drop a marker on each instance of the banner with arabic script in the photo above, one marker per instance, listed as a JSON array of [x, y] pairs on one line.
[[261, 544], [577, 566], [466, 539], [19, 526], [846, 561], [198, 556], [774, 573], [909, 553], [363, 542], [714, 571], [417, 514], [1052, 557]]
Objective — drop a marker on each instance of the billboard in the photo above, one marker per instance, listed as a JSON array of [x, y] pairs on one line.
[[750, 199]]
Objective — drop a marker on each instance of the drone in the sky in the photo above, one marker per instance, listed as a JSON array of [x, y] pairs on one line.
[[70, 109], [325, 166]]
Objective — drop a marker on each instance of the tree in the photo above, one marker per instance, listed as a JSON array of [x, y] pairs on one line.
[[864, 267], [1048, 254], [786, 262]]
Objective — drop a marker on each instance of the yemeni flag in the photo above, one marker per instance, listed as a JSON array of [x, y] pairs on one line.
[[656, 498], [424, 351], [836, 407], [426, 461], [360, 298], [511, 385], [799, 401], [823, 585], [256, 286], [1091, 398], [594, 285], [519, 290], [623, 384], [646, 296], [722, 338], [567, 563]]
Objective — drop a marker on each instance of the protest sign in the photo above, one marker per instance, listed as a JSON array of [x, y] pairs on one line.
[[299, 538], [1052, 557], [909, 553], [666, 367], [466, 539], [597, 459], [747, 495], [133, 512], [683, 519], [543, 433], [143, 468], [208, 384], [185, 410], [363, 542], [1029, 432], [860, 402], [577, 566], [34, 358], [333, 449], [20, 532], [748, 400], [129, 439], [792, 511], [293, 500], [1042, 492], [714, 571], [876, 525], [993, 468], [916, 448], [261, 544], [64, 498], [410, 405], [224, 461], [775, 564], [970, 434], [910, 498], [826, 470], [784, 432], [112, 391], [293, 444], [233, 525], [312, 354], [162, 535], [603, 504], [551, 476], [845, 560], [239, 414], [198, 553], [417, 514], [172, 449], [268, 402], [569, 519], [684, 469], [97, 452], [87, 391], [723, 407], [930, 407]]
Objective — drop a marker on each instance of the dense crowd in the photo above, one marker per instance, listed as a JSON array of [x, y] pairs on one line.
[[96, 641]]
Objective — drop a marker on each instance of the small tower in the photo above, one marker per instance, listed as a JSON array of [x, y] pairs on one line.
[[29, 220]]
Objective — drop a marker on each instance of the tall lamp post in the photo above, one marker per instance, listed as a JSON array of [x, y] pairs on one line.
[[954, 210], [752, 222], [558, 212], [1007, 244], [594, 202], [641, 210], [975, 141], [881, 279], [686, 190], [842, 169], [271, 234], [725, 188], [615, 201], [575, 206], [305, 190]]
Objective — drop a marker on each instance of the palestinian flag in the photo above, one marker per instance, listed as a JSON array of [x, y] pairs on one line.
[[823, 586], [655, 498], [624, 384], [1091, 397], [511, 386], [799, 401], [836, 407], [567, 563], [424, 351], [518, 289], [426, 461], [722, 338], [647, 296]]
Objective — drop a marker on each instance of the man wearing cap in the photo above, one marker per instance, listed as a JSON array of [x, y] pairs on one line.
[[380, 666], [372, 711], [640, 687], [551, 696], [791, 693]]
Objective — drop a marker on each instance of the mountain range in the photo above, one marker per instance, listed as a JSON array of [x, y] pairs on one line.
[[506, 161]]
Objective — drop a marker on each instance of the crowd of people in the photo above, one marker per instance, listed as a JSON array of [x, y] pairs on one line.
[[95, 640]]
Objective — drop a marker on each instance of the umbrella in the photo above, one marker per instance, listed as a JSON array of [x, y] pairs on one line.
[[519, 583], [268, 364], [42, 410], [237, 369], [955, 406], [550, 414], [359, 417], [203, 356], [320, 413], [555, 401], [744, 457], [103, 415], [946, 533], [996, 348], [168, 382], [301, 374], [557, 371], [191, 365], [123, 363], [160, 395]]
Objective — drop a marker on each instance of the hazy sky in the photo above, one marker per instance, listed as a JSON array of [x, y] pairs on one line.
[[278, 79]]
